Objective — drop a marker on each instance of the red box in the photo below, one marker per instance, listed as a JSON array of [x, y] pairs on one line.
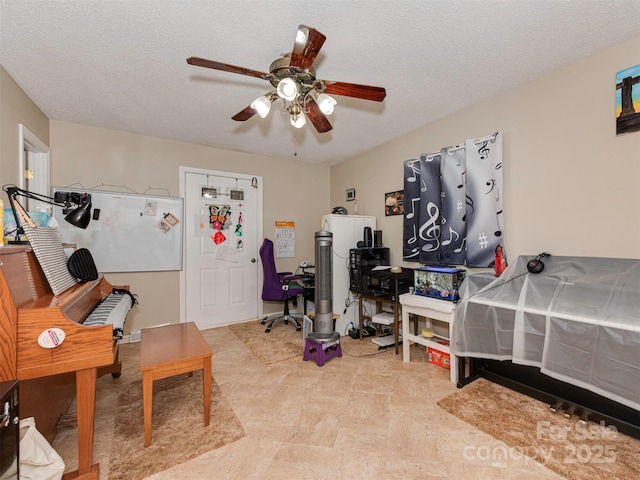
[[439, 358]]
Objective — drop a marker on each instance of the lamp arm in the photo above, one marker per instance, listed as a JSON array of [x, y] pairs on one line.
[[23, 218], [13, 191], [19, 213]]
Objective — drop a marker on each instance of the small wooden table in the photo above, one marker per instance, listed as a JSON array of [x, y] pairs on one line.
[[171, 350]]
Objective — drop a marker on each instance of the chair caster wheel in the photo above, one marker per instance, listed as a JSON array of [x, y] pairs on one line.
[[298, 328], [267, 330], [116, 374]]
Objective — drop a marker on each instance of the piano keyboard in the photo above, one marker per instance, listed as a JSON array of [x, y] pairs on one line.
[[112, 310]]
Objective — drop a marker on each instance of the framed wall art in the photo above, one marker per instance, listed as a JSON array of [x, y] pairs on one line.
[[394, 203], [351, 194], [628, 100]]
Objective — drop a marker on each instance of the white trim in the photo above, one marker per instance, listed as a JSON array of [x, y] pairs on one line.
[[39, 157], [183, 171]]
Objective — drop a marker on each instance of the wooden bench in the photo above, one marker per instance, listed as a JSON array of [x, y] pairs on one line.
[[171, 350]]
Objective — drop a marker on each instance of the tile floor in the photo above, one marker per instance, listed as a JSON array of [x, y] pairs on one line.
[[367, 415]]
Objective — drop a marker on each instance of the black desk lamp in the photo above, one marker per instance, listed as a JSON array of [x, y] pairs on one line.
[[78, 205]]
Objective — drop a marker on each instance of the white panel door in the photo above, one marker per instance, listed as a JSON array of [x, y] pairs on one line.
[[221, 279]]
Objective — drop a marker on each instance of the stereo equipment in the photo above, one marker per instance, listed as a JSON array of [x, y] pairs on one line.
[[368, 239], [377, 238], [361, 260]]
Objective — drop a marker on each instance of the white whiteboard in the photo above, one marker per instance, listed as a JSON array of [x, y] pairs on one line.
[[124, 234]]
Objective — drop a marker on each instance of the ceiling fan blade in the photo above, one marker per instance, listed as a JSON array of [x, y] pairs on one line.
[[225, 67], [308, 43], [366, 92], [318, 118], [245, 114]]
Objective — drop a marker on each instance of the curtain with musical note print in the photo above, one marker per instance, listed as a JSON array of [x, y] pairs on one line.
[[484, 200], [411, 220], [453, 205], [430, 210], [454, 202]]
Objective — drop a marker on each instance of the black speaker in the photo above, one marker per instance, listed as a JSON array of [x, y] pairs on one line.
[[377, 238], [368, 239]]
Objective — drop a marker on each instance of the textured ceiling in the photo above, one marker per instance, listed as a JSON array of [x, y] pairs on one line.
[[122, 64]]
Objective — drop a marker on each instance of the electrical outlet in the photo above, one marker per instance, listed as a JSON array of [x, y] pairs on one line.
[[134, 337]]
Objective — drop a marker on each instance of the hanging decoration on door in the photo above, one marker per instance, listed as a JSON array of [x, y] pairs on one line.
[[219, 218], [239, 241], [201, 226], [218, 237], [239, 224], [229, 251]]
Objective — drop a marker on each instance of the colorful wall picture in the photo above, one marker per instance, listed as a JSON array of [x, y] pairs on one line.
[[628, 100], [394, 203]]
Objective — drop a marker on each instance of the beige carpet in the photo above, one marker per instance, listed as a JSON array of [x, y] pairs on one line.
[[178, 431], [577, 451], [281, 343]]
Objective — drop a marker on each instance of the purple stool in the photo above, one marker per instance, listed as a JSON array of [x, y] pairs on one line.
[[320, 352]]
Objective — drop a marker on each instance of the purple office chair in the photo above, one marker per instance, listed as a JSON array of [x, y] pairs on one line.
[[276, 288]]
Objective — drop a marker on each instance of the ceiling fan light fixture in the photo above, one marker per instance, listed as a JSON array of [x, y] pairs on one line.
[[302, 35], [287, 89], [294, 77], [298, 120], [262, 105], [326, 103]]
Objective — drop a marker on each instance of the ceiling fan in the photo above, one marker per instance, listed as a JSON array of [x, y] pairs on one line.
[[295, 82]]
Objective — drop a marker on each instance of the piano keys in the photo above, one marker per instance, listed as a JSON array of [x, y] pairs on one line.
[[28, 308]]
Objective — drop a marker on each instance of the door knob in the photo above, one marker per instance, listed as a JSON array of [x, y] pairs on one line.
[[253, 260]]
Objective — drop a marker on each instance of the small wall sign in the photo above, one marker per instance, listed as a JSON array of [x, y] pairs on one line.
[[351, 195]]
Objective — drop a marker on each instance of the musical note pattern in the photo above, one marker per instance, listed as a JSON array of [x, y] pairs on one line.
[[453, 171], [412, 187], [485, 217], [431, 209], [455, 197]]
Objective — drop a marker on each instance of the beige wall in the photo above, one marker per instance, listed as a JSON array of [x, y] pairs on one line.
[[16, 108], [93, 156], [571, 186]]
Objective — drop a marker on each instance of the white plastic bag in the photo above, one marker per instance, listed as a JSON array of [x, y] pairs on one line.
[[38, 459]]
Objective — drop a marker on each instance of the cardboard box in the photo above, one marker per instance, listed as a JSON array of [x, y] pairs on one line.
[[439, 282], [439, 358]]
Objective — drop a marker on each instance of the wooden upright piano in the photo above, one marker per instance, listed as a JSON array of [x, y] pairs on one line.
[[50, 377]]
